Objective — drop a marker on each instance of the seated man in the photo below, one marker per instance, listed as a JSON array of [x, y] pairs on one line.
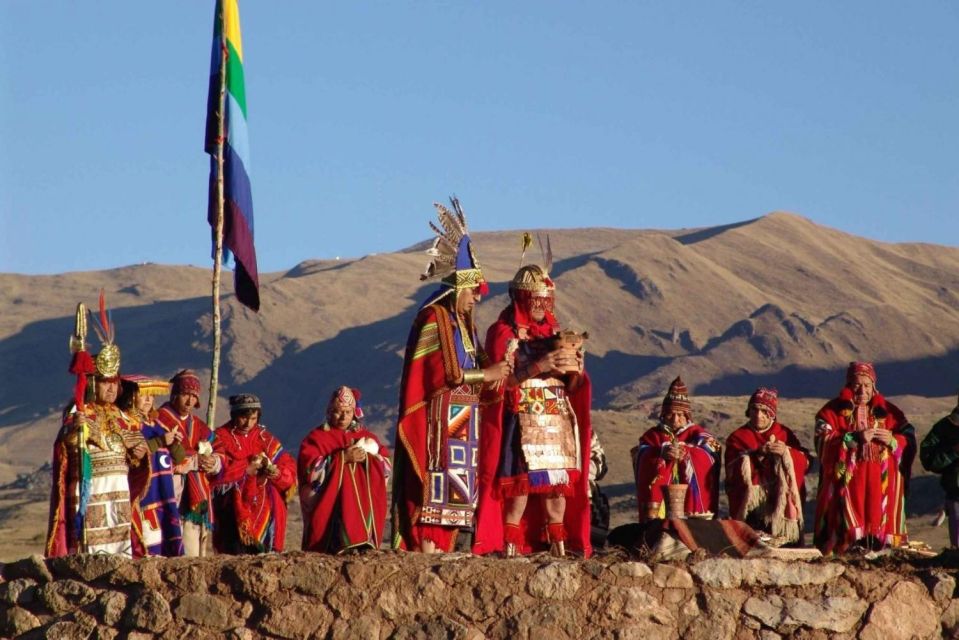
[[676, 452], [866, 447], [939, 453], [257, 480], [765, 472], [343, 471]]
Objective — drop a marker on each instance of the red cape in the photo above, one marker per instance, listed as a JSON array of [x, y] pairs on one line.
[[489, 519], [700, 470], [848, 504], [430, 368], [359, 488], [746, 441], [251, 493]]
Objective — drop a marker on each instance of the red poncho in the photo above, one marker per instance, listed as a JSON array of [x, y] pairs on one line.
[[862, 487], [258, 502], [489, 527], [699, 469], [353, 492], [770, 487], [195, 502]]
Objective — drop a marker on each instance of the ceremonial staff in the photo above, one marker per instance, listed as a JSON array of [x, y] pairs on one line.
[[218, 233], [230, 211]]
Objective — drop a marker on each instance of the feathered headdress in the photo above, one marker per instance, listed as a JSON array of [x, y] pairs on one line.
[[108, 360], [534, 278], [451, 256]]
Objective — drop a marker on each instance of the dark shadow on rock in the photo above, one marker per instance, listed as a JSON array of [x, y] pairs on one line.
[[711, 232]]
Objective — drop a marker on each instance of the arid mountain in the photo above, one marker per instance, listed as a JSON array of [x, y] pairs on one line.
[[777, 300]]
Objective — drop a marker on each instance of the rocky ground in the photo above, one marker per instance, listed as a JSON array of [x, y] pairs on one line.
[[393, 595]]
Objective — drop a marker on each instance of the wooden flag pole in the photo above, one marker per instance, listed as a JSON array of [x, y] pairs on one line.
[[218, 232]]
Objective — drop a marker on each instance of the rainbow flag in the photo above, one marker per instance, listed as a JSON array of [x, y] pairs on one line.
[[237, 196]]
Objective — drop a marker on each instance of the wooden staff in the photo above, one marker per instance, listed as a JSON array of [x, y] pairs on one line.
[[218, 232]]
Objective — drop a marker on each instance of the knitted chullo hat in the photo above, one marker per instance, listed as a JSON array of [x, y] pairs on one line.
[[860, 369], [768, 399], [185, 381], [677, 398]]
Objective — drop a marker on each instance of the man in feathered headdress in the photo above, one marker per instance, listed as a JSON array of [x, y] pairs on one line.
[[91, 506], [444, 371], [866, 447], [535, 443]]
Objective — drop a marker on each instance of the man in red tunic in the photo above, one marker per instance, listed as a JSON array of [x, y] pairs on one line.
[[676, 451], [765, 472], [535, 441], [258, 479], [192, 475], [444, 372], [343, 470], [866, 447]]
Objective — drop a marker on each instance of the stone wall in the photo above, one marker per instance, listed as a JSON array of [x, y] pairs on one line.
[[388, 595]]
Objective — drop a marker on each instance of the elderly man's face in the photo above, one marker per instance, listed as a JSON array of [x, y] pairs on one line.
[[340, 416], [759, 417], [863, 389], [106, 390], [675, 419], [183, 402]]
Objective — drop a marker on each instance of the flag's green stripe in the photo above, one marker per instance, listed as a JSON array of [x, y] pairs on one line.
[[234, 77]]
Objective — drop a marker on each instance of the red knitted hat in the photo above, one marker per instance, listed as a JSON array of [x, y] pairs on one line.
[[677, 398], [860, 369], [185, 381], [768, 399]]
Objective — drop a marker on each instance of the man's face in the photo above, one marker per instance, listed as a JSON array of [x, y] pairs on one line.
[[863, 389], [246, 420], [759, 417], [183, 402], [340, 416], [675, 419], [466, 299], [106, 390], [144, 403], [539, 306]]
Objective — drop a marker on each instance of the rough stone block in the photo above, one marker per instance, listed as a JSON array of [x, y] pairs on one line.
[[907, 612], [557, 580], [33, 568], [16, 621], [64, 596], [19, 591], [212, 612], [148, 612], [671, 576]]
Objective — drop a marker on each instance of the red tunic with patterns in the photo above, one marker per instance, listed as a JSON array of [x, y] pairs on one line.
[[767, 491], [195, 501], [504, 470], [434, 465], [250, 510], [862, 486], [699, 469], [343, 503]]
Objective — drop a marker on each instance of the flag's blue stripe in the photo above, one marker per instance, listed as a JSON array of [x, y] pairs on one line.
[[236, 185], [237, 135]]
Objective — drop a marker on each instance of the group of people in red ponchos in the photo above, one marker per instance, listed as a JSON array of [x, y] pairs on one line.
[[493, 437], [864, 443]]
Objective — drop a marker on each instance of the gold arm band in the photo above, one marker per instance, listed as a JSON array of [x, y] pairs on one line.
[[472, 376]]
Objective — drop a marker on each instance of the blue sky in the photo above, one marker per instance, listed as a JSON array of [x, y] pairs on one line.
[[537, 114]]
